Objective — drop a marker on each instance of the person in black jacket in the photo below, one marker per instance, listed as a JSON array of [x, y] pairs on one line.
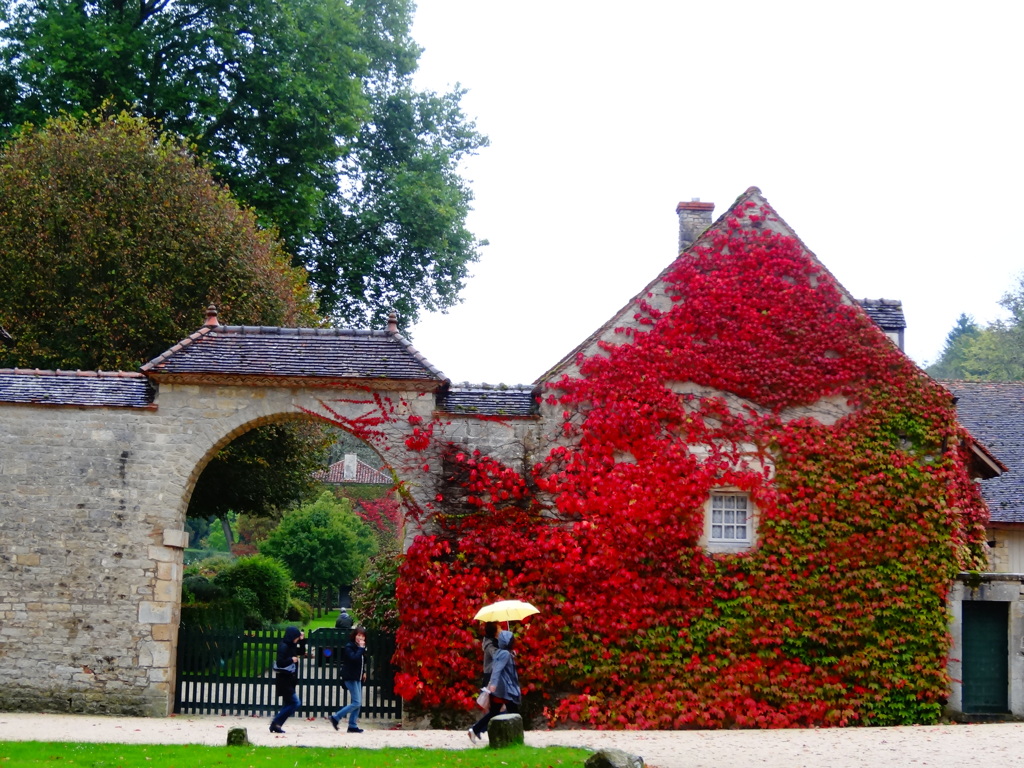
[[286, 666], [353, 675], [344, 621]]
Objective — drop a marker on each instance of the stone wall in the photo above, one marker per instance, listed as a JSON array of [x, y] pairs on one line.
[[1003, 588], [92, 508]]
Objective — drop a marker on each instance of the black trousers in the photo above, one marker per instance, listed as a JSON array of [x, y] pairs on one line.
[[496, 704]]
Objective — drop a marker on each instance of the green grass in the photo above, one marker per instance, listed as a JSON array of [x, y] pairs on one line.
[[15, 754], [327, 620]]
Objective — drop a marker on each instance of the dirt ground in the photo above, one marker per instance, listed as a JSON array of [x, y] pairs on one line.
[[946, 746]]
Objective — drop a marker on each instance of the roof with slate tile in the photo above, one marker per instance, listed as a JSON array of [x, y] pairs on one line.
[[887, 314], [993, 412], [484, 400], [295, 353], [76, 388]]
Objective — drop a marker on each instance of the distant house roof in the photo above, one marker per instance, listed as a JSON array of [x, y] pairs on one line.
[[299, 353], [352, 469], [993, 412], [77, 388], [485, 400]]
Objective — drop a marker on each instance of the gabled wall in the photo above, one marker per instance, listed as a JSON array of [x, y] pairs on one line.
[[743, 369]]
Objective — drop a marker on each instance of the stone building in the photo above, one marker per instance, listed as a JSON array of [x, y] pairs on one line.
[[987, 659], [96, 471]]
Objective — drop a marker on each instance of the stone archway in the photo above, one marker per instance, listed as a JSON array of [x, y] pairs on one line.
[[97, 472]]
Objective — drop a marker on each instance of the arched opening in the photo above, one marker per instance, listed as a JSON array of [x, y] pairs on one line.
[[344, 500]]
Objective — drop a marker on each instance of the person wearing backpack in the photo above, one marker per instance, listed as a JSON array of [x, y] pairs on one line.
[[286, 668]]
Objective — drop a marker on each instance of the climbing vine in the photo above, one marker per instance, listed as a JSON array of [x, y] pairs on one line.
[[865, 511]]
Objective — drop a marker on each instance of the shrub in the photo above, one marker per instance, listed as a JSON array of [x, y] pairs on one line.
[[207, 563], [299, 611], [373, 595], [266, 578], [199, 589]]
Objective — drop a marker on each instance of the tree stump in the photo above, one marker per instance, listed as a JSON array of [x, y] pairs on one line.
[[504, 731], [614, 758], [238, 737]]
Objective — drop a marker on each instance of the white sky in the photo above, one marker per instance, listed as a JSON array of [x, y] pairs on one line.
[[887, 134]]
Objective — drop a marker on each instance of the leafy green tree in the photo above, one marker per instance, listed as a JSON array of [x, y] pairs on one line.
[[114, 239], [265, 469], [304, 107], [217, 541], [992, 353], [198, 528], [392, 234], [324, 544], [996, 353], [252, 529], [950, 364]]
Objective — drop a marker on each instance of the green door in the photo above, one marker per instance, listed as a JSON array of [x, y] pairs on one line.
[[986, 657]]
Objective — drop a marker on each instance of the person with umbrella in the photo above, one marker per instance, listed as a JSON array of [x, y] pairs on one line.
[[503, 685]]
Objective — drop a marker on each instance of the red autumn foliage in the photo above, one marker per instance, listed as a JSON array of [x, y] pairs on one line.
[[836, 616]]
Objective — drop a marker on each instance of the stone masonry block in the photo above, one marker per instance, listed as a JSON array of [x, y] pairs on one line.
[[167, 591], [176, 539], [155, 613]]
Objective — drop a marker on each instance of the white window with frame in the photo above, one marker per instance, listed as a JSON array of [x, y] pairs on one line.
[[729, 522]]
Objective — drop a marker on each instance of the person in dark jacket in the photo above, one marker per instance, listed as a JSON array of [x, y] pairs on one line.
[[489, 645], [344, 621], [503, 685], [353, 675], [286, 666]]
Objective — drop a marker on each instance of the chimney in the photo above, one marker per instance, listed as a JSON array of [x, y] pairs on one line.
[[694, 218], [350, 466]]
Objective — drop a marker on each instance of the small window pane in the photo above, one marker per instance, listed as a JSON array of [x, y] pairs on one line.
[[729, 518]]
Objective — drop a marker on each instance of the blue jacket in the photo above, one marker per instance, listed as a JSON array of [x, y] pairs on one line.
[[504, 678]]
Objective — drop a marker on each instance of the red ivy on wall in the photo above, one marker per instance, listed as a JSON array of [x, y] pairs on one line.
[[837, 616]]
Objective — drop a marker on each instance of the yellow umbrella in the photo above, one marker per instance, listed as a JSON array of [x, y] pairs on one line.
[[505, 610]]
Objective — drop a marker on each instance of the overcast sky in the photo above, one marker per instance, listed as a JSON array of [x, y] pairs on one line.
[[887, 134]]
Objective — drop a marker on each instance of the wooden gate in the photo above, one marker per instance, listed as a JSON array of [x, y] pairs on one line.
[[230, 673]]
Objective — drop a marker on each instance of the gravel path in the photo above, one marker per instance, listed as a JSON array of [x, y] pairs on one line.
[[946, 746]]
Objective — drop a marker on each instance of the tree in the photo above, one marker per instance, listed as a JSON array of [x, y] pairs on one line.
[[992, 353], [113, 240], [304, 107], [323, 544], [950, 364], [265, 469], [995, 354], [393, 234]]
